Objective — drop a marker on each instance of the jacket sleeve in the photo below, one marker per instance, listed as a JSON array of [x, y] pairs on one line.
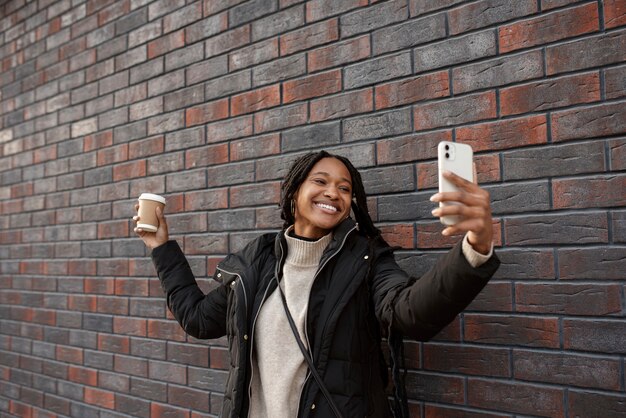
[[201, 316], [420, 307]]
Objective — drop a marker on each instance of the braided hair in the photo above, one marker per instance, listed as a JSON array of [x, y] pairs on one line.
[[299, 172]]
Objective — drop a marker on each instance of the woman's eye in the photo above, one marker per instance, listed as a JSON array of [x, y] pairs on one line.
[[319, 181]]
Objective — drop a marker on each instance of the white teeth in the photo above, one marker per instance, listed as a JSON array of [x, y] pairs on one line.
[[325, 206]]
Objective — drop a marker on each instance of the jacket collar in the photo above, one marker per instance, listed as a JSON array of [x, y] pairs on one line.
[[339, 235]]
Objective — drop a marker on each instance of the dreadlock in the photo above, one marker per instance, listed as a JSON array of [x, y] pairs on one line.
[[299, 172]]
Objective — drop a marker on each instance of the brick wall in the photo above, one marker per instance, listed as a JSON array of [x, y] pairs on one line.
[[209, 101]]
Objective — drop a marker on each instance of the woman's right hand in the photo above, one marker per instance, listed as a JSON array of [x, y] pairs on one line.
[[153, 239]]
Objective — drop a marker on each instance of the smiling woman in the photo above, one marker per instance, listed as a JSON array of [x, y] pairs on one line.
[[305, 308]]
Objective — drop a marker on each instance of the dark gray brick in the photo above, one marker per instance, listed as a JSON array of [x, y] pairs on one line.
[[147, 70], [100, 323], [591, 227], [132, 406], [131, 57], [165, 83], [162, 7], [206, 69], [204, 29], [127, 133], [131, 21], [250, 10], [408, 34], [182, 17], [455, 50], [154, 349], [173, 161], [498, 72], [111, 48], [566, 160], [361, 155], [208, 379], [405, 207], [373, 17], [150, 308], [381, 124], [187, 180], [184, 57], [101, 35], [618, 226], [276, 23], [230, 174], [280, 69], [144, 34], [112, 118], [377, 70], [311, 136], [389, 179], [487, 12], [184, 98], [148, 389], [231, 220], [187, 138], [226, 85], [519, 197], [166, 122]]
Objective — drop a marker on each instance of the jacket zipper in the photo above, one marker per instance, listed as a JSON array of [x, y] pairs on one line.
[[306, 332], [245, 297]]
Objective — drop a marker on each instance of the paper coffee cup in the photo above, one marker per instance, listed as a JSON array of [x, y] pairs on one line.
[[148, 203]]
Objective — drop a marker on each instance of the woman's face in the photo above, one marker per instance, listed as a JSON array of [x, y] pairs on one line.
[[323, 199]]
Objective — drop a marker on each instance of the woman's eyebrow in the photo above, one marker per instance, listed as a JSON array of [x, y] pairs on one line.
[[328, 175]]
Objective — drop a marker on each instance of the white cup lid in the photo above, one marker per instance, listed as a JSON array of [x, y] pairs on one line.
[[150, 196]]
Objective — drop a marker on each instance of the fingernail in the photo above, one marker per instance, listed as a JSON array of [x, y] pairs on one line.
[[434, 197], [445, 232], [435, 212]]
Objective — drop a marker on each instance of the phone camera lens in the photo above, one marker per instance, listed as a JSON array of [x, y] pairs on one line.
[[447, 147], [447, 155]]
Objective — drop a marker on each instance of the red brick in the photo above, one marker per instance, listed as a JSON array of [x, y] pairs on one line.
[[550, 94], [476, 15], [45, 154], [131, 287], [112, 155], [206, 156], [129, 170], [166, 44], [219, 358], [98, 140], [342, 105], [101, 398], [69, 354], [339, 53], [436, 411], [113, 12], [113, 229], [467, 360], [312, 86], [549, 27], [509, 133], [19, 409], [166, 411], [255, 100], [416, 89], [520, 330], [495, 297], [206, 112], [114, 343], [514, 397], [455, 111], [83, 375], [133, 366], [165, 330], [146, 147], [82, 268], [589, 192], [129, 326], [309, 36], [614, 13], [401, 235], [592, 263], [100, 285], [83, 303], [618, 154], [206, 199]]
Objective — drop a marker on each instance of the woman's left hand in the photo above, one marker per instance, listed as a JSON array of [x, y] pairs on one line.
[[474, 212]]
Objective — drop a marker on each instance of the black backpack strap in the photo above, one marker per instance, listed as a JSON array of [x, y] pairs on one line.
[[307, 356]]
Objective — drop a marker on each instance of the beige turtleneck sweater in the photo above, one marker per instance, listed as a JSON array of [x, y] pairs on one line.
[[278, 378], [278, 367]]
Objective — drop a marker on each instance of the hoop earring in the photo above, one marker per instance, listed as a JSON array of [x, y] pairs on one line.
[[293, 208]]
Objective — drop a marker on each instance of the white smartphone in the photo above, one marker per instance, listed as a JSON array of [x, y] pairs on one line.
[[457, 158]]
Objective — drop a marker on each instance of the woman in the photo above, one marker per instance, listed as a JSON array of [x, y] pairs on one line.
[[339, 286]]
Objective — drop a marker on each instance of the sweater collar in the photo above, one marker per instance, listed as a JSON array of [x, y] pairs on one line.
[[305, 253]]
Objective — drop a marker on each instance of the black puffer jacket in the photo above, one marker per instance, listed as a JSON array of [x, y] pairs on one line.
[[348, 311]]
